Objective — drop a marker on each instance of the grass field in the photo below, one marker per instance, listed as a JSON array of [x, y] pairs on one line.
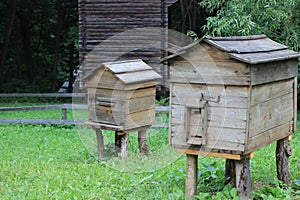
[[57, 162]]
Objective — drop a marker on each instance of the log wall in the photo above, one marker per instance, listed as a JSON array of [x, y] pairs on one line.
[[110, 31]]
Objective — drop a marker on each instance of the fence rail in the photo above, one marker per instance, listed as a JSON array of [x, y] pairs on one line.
[[64, 120], [50, 95]]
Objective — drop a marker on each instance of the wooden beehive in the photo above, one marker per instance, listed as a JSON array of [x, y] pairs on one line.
[[121, 95], [232, 95]]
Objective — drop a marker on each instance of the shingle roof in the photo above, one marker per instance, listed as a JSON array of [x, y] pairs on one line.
[[129, 72], [252, 49]]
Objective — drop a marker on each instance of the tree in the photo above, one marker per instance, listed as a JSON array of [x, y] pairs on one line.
[[278, 19]]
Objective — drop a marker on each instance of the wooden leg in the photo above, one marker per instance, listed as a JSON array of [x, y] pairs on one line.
[[143, 146], [283, 152], [121, 143], [64, 114], [191, 175], [230, 172], [118, 142], [100, 143], [237, 173]]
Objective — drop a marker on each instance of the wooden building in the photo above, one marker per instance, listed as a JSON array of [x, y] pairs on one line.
[[121, 95], [231, 96], [123, 30]]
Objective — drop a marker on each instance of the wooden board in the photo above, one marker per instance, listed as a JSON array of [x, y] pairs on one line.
[[269, 136], [266, 92], [269, 114], [195, 70], [190, 95], [274, 71]]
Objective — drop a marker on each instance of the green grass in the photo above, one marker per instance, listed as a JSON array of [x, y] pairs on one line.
[[57, 162]]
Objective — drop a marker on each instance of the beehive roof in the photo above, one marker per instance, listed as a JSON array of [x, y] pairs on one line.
[[248, 49], [129, 72], [252, 49]]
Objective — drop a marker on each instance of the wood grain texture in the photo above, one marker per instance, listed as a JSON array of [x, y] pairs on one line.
[[274, 71], [101, 20], [191, 175]]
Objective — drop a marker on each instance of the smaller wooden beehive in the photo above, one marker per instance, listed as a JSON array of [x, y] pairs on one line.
[[232, 95], [121, 94]]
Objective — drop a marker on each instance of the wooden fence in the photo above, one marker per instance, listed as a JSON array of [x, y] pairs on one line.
[[63, 107]]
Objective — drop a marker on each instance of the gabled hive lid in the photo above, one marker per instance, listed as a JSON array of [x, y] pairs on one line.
[[252, 49], [129, 72]]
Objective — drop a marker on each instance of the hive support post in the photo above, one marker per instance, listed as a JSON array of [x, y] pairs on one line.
[[100, 143], [283, 152], [191, 175], [237, 173], [143, 146], [121, 143]]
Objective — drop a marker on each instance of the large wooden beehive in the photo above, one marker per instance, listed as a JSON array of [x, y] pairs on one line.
[[232, 95], [121, 95]]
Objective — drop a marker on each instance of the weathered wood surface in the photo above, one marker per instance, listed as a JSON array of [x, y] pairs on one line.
[[100, 143], [50, 95], [212, 67], [191, 175], [295, 100], [226, 119], [274, 71], [142, 140], [101, 20], [228, 155], [271, 113], [283, 152], [237, 173]]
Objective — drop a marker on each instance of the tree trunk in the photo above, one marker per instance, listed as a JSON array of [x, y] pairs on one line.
[[6, 39], [57, 40]]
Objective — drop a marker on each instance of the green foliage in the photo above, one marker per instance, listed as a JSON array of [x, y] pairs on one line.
[[278, 19]]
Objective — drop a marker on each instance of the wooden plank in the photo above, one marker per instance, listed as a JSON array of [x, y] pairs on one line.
[[229, 96], [127, 66], [216, 138], [138, 77], [212, 154], [269, 114], [274, 71], [268, 137], [266, 57], [266, 92], [209, 72], [295, 100], [139, 119], [235, 118]]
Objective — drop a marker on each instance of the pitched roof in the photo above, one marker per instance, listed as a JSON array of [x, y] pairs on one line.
[[252, 49], [129, 72], [248, 49]]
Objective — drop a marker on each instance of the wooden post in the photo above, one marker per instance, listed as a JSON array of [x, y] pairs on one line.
[[237, 173], [64, 113], [191, 175], [143, 146], [121, 143], [283, 152], [100, 143]]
